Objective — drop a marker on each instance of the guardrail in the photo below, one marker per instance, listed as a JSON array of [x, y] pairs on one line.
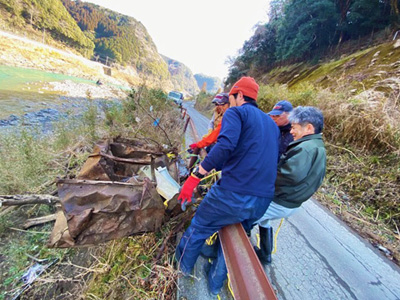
[[247, 276]]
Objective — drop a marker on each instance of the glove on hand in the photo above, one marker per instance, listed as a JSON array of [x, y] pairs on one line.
[[193, 146], [187, 189]]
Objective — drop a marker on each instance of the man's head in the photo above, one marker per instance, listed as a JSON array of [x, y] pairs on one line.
[[280, 112], [305, 120], [244, 90], [221, 102]]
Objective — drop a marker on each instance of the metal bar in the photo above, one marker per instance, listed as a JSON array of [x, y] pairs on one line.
[[247, 276], [246, 273]]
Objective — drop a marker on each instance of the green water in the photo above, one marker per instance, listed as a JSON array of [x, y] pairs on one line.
[[21, 90], [15, 79]]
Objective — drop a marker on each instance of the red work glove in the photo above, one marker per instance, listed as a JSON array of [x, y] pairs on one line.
[[193, 146], [187, 189]]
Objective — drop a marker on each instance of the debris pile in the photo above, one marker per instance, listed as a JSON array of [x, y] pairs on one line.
[[116, 194]]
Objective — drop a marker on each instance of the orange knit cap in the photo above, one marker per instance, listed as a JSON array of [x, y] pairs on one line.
[[247, 85]]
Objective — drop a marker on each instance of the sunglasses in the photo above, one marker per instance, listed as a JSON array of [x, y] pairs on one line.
[[220, 104]]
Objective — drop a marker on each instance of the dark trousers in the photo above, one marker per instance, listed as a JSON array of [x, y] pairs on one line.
[[219, 208]]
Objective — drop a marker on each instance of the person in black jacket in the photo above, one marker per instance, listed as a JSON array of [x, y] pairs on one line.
[[280, 114]]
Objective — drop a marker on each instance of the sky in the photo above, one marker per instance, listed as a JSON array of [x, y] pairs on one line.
[[200, 34]]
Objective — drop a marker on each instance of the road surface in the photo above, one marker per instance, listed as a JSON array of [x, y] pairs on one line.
[[320, 257]]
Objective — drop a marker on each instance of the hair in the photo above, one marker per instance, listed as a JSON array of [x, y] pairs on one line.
[[246, 98], [304, 115]]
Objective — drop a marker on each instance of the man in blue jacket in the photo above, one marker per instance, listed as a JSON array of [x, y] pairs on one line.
[[247, 154]]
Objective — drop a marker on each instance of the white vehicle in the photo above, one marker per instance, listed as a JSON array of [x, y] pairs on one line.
[[177, 97]]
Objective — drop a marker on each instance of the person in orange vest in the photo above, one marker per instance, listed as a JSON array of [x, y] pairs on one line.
[[221, 102]]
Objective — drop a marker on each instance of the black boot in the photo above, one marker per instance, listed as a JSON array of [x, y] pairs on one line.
[[266, 245]]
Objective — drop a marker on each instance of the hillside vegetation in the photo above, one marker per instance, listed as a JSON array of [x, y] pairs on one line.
[[48, 16], [341, 57], [181, 76], [118, 37], [98, 34], [310, 30]]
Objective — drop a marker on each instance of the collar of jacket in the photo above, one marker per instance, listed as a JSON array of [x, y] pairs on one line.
[[306, 138], [248, 103], [286, 127]]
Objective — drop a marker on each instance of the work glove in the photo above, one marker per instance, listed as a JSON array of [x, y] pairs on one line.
[[186, 193]]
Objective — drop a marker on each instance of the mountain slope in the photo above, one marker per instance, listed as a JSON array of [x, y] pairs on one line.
[[181, 76], [48, 16], [119, 37]]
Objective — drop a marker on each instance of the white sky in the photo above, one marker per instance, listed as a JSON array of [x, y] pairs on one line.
[[200, 34]]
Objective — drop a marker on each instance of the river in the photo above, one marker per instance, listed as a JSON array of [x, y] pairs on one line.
[[36, 96]]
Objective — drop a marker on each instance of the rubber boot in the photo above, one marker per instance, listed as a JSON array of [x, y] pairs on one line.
[[266, 245]]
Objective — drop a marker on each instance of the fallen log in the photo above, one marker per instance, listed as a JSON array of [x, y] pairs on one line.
[[10, 200], [38, 221]]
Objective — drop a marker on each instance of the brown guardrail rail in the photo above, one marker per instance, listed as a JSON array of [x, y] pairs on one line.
[[246, 274]]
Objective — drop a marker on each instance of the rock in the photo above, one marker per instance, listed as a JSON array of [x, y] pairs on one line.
[[377, 54]]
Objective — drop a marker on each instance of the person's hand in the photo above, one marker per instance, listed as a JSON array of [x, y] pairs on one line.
[[186, 193], [193, 146]]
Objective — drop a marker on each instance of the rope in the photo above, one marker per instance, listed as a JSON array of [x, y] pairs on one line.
[[275, 237], [211, 240], [211, 175], [229, 286]]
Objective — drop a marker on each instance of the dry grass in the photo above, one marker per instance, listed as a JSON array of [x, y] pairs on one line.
[[368, 121]]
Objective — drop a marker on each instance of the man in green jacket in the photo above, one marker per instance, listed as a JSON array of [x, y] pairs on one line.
[[300, 173]]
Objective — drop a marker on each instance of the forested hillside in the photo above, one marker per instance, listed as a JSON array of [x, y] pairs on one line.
[[48, 16], [99, 34], [212, 83], [181, 76], [119, 37], [311, 30]]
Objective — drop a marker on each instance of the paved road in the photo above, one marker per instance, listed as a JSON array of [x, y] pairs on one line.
[[320, 257]]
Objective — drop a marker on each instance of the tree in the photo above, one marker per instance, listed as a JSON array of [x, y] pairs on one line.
[[307, 25], [366, 16]]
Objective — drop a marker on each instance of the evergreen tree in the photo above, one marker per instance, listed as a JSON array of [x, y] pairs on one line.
[[307, 25], [366, 16]]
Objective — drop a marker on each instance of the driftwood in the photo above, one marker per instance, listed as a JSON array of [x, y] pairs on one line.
[[10, 200], [6, 210], [40, 220]]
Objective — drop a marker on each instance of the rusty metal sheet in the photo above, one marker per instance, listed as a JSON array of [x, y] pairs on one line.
[[109, 199], [98, 211]]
